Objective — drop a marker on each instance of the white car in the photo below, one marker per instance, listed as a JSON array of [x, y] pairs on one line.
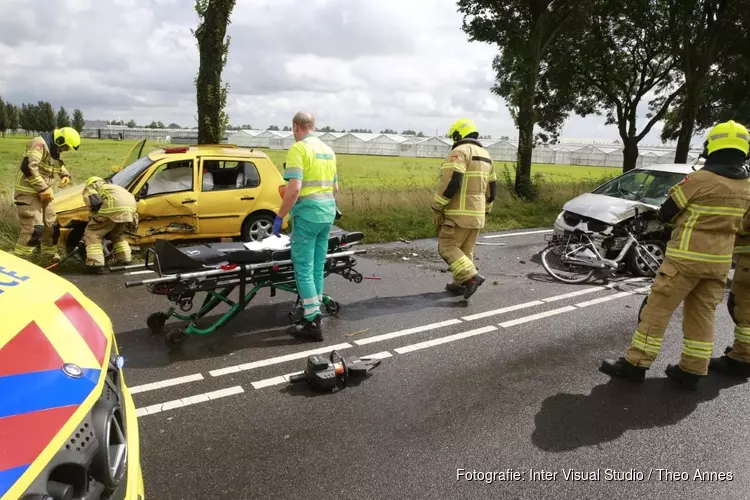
[[605, 209]]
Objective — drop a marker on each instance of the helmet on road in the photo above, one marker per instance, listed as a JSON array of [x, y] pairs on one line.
[[728, 135], [461, 128], [67, 136]]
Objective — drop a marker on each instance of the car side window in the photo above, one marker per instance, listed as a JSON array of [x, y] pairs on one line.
[[222, 175], [171, 177]]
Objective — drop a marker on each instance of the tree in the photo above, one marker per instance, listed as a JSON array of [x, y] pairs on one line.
[[211, 95], [63, 120], [287, 128], [160, 125], [273, 128], [78, 121], [12, 114], [173, 126], [622, 56], [524, 30], [27, 117], [698, 29], [132, 124], [46, 117], [3, 118]]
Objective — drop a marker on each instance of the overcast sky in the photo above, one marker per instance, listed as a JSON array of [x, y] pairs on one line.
[[354, 63]]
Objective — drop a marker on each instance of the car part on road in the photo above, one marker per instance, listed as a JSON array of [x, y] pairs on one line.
[[578, 251], [327, 375], [218, 269]]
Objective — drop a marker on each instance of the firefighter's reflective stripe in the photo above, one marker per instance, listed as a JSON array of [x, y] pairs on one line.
[[442, 200], [647, 344], [742, 334], [697, 348], [699, 257], [742, 249], [680, 197]]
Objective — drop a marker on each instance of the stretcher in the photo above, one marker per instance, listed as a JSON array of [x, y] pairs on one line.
[[218, 269]]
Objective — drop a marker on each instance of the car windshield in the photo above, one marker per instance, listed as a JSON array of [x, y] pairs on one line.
[[127, 175], [647, 186]]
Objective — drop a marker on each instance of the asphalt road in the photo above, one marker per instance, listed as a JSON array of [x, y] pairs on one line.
[[512, 389]]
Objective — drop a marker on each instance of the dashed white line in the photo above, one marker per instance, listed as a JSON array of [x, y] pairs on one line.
[[503, 310], [444, 340], [378, 355], [165, 383], [410, 331], [517, 234], [276, 360], [535, 317], [179, 403], [578, 293], [611, 297]]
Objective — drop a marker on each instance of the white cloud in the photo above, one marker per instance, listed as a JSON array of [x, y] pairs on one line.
[[402, 64]]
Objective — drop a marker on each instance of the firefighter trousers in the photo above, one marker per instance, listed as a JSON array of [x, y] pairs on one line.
[[38, 226], [456, 248], [701, 296], [739, 308], [99, 228], [309, 244]]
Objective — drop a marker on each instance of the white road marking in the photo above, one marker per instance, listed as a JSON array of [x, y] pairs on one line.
[[165, 383], [179, 403], [276, 360], [378, 355], [611, 297], [517, 234], [503, 310], [444, 340], [410, 331], [585, 291], [535, 317]]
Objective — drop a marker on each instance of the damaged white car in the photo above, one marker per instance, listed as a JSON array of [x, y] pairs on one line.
[[612, 206]]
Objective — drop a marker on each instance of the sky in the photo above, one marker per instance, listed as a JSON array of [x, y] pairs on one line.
[[398, 64]]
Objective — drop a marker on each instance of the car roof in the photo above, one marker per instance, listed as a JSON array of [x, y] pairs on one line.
[[677, 168], [207, 149]]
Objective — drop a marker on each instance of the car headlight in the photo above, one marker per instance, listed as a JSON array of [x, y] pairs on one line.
[[92, 464]]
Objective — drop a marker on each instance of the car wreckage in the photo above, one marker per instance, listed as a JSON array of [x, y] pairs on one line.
[[609, 208]]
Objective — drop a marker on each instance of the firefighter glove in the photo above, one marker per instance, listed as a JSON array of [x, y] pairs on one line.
[[46, 195], [64, 181]]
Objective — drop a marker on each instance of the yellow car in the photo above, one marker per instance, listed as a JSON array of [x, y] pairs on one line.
[[188, 193], [68, 427]]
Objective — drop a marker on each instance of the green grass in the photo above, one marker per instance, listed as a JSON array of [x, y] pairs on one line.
[[385, 197]]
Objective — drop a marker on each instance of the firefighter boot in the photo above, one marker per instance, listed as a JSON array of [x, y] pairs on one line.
[[623, 369], [729, 366], [455, 289], [307, 330], [470, 286], [682, 378]]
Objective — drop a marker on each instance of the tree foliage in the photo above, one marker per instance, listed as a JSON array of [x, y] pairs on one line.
[[78, 121], [63, 120], [3, 118], [213, 49], [46, 119], [12, 114], [524, 31]]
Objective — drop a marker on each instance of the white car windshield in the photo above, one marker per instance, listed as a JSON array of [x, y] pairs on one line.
[[647, 186]]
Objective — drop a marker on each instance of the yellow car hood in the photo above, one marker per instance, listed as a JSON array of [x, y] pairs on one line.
[[54, 350], [69, 199]]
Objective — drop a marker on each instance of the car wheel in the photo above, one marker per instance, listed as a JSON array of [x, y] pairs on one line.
[[257, 227], [637, 266]]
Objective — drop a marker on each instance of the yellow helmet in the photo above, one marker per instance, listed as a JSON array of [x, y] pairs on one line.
[[67, 136], [461, 128], [92, 180], [728, 135]]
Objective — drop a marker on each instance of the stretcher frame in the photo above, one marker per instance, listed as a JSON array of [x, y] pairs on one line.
[[220, 281]]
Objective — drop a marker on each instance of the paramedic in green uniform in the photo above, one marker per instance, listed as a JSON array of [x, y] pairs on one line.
[[311, 197]]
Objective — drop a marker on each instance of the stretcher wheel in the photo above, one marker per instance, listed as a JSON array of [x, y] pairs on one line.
[[156, 322], [174, 338], [333, 308]]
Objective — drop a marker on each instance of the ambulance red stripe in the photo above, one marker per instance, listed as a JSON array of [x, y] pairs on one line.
[[85, 324], [29, 351]]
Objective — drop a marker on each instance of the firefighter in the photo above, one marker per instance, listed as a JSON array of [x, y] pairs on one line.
[[310, 197], [33, 191], [112, 211], [707, 209], [464, 196]]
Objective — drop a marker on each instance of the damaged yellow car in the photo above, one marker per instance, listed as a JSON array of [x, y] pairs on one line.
[[200, 192]]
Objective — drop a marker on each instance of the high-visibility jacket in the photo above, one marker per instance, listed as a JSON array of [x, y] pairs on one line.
[[110, 201], [711, 205], [38, 168], [467, 187], [314, 163], [742, 240]]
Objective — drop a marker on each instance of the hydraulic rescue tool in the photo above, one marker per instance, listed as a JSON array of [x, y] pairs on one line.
[[329, 375]]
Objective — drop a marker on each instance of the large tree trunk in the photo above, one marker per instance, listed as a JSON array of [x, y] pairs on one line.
[[211, 95], [523, 185], [687, 125], [630, 154]]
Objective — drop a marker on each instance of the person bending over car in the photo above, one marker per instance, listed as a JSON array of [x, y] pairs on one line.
[[707, 209], [112, 211]]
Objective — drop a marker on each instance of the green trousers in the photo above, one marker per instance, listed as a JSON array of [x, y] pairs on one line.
[[309, 243]]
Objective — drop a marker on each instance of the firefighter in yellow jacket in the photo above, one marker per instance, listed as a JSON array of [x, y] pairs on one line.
[[464, 196], [33, 191], [112, 211], [707, 209]]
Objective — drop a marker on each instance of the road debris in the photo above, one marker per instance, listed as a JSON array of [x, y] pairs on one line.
[[358, 333], [404, 240]]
